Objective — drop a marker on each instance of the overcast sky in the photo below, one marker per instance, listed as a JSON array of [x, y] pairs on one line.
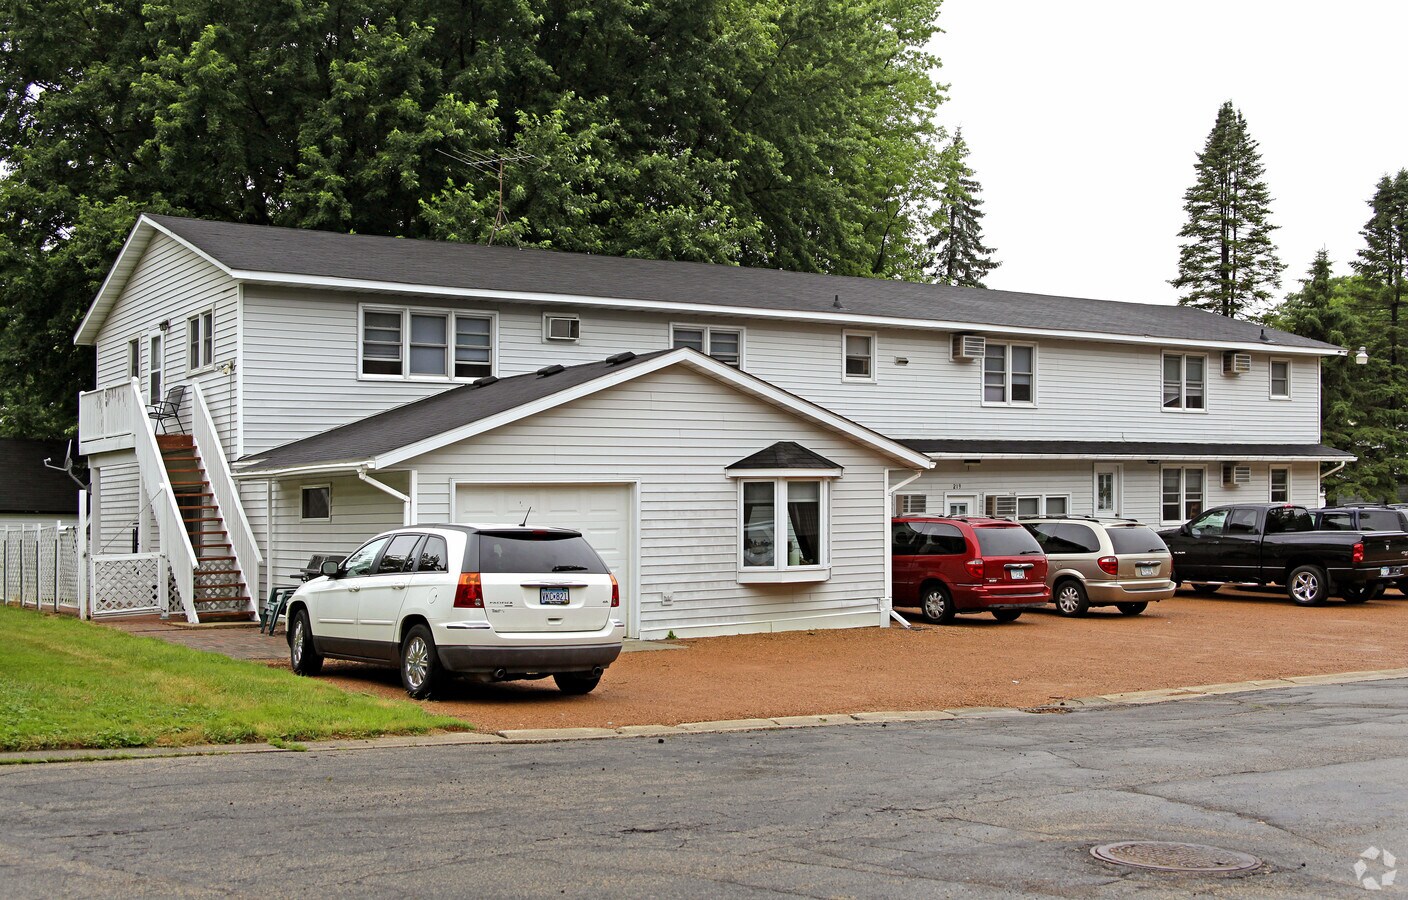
[[1084, 119]]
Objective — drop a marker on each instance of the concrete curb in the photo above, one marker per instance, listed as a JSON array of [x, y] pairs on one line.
[[555, 735]]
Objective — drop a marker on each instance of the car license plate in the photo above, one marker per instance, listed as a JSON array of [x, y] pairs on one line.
[[554, 596], [1391, 571], [1148, 571], [1018, 574]]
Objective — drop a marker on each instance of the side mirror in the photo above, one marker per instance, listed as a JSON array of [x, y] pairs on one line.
[[1185, 529], [330, 568]]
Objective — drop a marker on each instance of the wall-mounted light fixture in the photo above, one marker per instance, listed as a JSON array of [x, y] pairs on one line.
[[1362, 357], [164, 325]]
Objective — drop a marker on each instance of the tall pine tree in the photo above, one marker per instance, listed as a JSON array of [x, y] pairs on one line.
[[960, 256], [1383, 262], [1227, 262]]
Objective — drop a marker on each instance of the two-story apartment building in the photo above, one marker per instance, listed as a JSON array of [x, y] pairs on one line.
[[738, 470]]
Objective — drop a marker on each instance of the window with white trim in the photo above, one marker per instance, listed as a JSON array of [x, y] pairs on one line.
[[1185, 381], [315, 503], [1009, 374], [1280, 379], [784, 525], [1280, 485], [429, 345], [134, 358], [722, 344], [1044, 505], [858, 352], [1182, 493], [200, 341], [911, 504]]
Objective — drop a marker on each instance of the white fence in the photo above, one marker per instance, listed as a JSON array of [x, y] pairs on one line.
[[42, 566], [130, 583]]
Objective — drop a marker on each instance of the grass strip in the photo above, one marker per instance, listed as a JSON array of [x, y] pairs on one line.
[[68, 684]]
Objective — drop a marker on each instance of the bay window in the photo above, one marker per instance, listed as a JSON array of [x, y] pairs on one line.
[[784, 526]]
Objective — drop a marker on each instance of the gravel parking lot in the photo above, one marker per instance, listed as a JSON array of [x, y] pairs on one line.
[[1042, 658]]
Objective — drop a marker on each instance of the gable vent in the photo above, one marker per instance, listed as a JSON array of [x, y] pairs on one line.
[[545, 371], [968, 346], [1234, 474], [561, 328], [1000, 507], [1234, 363]]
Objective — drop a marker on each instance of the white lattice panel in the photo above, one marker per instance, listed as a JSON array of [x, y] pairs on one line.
[[13, 544], [46, 553], [127, 584], [69, 562]]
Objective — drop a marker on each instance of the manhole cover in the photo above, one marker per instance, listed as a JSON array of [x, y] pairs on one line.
[[1167, 856]]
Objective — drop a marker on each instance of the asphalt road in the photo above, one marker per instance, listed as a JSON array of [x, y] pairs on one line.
[[1305, 778]]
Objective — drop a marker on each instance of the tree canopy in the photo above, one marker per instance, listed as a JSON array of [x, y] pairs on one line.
[[1227, 262], [796, 134]]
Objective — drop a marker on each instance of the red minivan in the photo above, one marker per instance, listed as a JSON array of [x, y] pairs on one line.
[[968, 564]]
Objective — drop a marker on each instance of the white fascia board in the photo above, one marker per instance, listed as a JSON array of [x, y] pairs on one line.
[[116, 280], [719, 371], [703, 309], [349, 468], [744, 474], [1125, 457]]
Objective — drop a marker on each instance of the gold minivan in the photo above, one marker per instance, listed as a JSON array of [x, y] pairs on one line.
[[1102, 562]]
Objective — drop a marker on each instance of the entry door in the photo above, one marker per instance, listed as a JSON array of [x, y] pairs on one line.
[[155, 360], [602, 512], [1107, 490], [960, 504]]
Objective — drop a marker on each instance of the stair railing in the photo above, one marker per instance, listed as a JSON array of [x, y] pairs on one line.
[[245, 550], [156, 483]]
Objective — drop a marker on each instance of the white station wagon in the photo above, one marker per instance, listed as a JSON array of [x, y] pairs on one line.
[[491, 602]]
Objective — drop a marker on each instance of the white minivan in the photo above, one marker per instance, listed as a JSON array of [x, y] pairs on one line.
[[491, 602]]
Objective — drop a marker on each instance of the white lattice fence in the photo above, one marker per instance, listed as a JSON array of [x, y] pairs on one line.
[[46, 562], [69, 563], [129, 583], [39, 566], [14, 572]]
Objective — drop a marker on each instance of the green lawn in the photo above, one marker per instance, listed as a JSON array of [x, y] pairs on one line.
[[66, 683]]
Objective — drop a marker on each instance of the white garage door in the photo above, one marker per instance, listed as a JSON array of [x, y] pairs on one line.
[[602, 512]]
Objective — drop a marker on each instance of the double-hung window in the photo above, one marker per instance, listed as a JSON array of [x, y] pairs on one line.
[[723, 344], [426, 344], [1280, 485], [1009, 374], [1185, 381], [1280, 379], [200, 341], [784, 525], [134, 358], [1182, 494], [1044, 505], [858, 356]]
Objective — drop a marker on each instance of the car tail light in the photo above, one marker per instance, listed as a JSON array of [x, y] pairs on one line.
[[615, 591], [1110, 565], [469, 593], [1359, 552], [975, 567]]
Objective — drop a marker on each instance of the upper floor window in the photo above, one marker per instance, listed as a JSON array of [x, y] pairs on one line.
[[1185, 381], [134, 358], [200, 341], [407, 343], [723, 344], [1280, 379], [858, 351], [1009, 374]]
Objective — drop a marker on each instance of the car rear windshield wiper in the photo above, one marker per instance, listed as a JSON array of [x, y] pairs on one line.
[[569, 568]]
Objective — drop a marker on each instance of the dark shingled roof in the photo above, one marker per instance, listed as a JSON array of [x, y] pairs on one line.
[[978, 447], [259, 248], [27, 487], [785, 455], [423, 419]]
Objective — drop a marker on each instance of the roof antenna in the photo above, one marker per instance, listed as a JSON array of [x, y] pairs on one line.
[[525, 517]]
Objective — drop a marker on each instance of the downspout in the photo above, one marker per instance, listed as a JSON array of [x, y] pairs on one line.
[[387, 489], [889, 560], [1323, 475]]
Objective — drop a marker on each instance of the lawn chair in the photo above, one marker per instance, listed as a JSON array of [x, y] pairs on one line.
[[169, 408]]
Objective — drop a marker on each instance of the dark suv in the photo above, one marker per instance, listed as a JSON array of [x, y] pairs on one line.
[[969, 564]]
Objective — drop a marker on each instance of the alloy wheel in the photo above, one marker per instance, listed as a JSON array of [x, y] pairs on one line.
[[417, 662], [1305, 587]]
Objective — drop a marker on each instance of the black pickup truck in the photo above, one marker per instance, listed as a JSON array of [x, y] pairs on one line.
[[1274, 543]]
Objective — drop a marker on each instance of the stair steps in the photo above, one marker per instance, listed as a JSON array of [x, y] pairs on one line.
[[226, 599]]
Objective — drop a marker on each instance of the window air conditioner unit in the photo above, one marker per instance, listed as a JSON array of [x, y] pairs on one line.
[[969, 346], [1234, 363], [561, 328], [1234, 474], [1000, 507]]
